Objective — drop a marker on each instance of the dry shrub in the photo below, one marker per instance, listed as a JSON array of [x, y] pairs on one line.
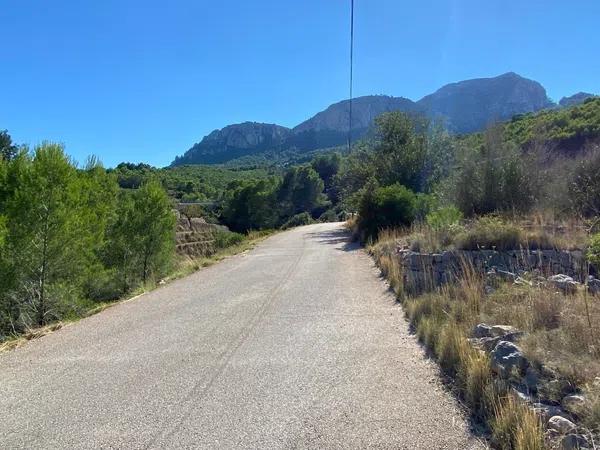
[[451, 347], [425, 239], [392, 270], [476, 382], [428, 332], [490, 233], [516, 427], [591, 411], [562, 331], [384, 252]]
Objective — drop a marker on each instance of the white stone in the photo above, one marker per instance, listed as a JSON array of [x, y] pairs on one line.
[[561, 425]]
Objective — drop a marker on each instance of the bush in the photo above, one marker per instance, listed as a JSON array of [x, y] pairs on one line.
[[493, 176], [593, 253], [444, 218], [386, 207], [329, 216], [298, 220], [584, 186], [224, 239], [490, 233]]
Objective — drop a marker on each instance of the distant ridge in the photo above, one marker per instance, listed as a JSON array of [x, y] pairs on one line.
[[464, 107]]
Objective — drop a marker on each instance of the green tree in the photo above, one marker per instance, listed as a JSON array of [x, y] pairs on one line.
[[300, 191], [251, 205], [45, 228], [7, 149], [493, 176], [152, 223], [401, 154], [327, 166], [98, 207]]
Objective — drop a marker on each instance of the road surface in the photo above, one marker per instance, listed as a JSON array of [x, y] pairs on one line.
[[295, 344]]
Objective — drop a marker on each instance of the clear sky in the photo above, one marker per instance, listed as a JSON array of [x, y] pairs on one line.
[[142, 80]]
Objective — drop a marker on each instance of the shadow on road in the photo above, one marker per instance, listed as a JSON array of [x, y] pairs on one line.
[[335, 237]]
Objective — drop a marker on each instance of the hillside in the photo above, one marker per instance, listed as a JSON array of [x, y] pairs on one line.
[[565, 130]]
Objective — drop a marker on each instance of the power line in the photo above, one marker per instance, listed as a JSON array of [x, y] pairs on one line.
[[351, 66]]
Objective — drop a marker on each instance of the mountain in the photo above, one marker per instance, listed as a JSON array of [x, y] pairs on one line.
[[464, 107], [472, 105], [364, 111], [235, 141], [575, 99]]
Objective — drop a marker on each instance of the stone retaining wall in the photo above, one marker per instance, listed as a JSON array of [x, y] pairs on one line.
[[426, 271]]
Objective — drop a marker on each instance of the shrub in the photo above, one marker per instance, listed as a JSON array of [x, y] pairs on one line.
[[593, 253], [490, 233], [224, 239], [450, 348], [493, 175], [298, 220], [584, 186], [444, 218], [386, 207], [329, 216]]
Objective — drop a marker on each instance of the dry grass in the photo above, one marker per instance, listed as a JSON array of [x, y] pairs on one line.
[[562, 333], [33, 333], [537, 231], [515, 426], [434, 315]]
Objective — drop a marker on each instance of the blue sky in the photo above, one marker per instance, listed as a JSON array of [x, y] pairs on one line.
[[143, 80]]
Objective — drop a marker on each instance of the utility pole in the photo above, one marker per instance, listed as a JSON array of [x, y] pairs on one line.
[[351, 66]]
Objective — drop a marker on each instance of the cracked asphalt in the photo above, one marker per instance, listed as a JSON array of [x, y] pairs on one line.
[[297, 343]]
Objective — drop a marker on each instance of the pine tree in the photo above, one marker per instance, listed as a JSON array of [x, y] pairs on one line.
[[45, 227]]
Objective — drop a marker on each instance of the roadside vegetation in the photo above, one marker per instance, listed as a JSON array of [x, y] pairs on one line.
[[502, 191], [73, 238]]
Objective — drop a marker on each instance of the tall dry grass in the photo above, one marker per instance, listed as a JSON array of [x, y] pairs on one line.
[[536, 231], [561, 333], [516, 426]]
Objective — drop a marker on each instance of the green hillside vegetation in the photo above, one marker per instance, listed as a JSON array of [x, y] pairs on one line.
[[188, 183], [565, 128]]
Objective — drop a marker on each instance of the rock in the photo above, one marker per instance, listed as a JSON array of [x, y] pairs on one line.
[[593, 285], [564, 283], [574, 442], [561, 425], [507, 357], [502, 330], [489, 343], [489, 290], [506, 275], [482, 330], [573, 403], [523, 396], [531, 379], [545, 411], [523, 282]]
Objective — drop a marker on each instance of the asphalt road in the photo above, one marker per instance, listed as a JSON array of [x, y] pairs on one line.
[[295, 344]]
